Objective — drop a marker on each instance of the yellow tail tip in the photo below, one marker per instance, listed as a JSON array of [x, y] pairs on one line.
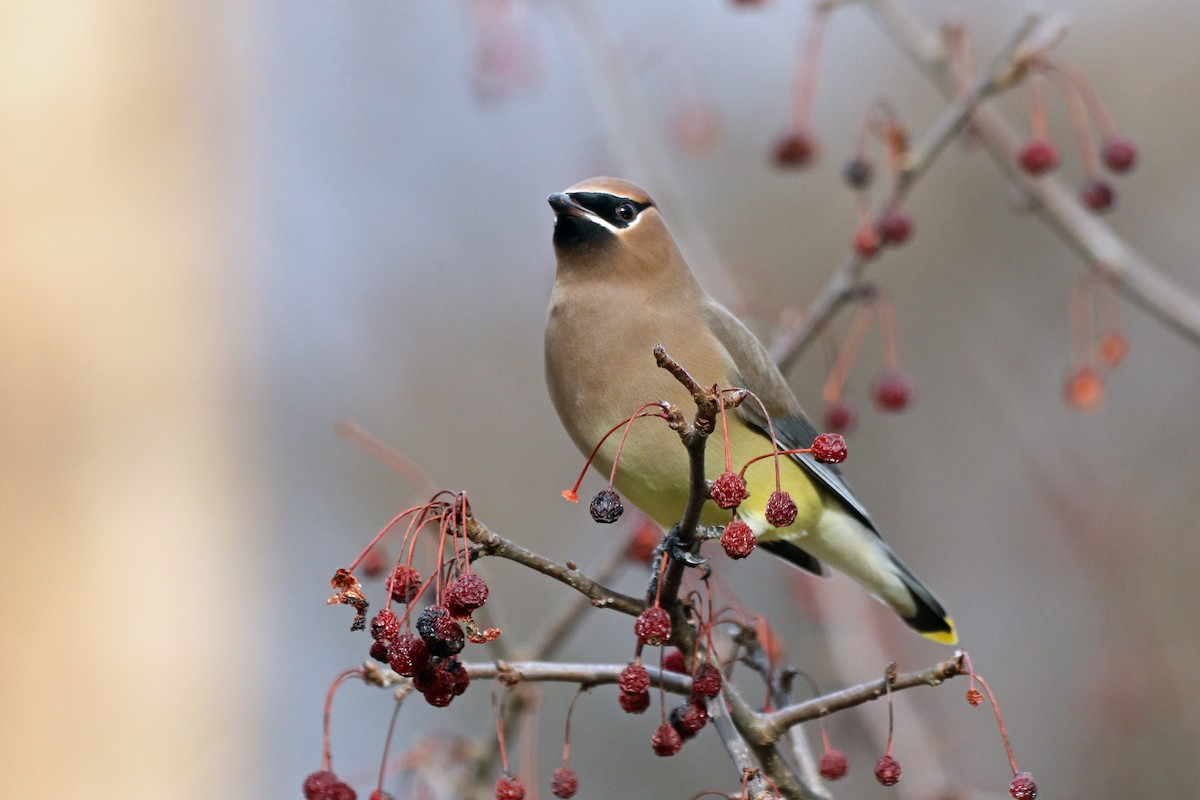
[[949, 637]]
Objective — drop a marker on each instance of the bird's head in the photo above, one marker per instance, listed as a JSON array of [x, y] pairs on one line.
[[612, 220]]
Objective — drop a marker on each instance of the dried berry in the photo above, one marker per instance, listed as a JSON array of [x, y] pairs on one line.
[[673, 662], [1023, 787], [462, 680], [319, 785], [706, 682], [443, 636], [866, 241], [833, 765], [728, 490], [688, 719], [781, 509], [858, 172], [738, 539], [666, 741], [379, 651], [385, 626], [407, 655], [405, 584], [829, 448], [1084, 390], [1038, 156], [1097, 195], [840, 417], [634, 703], [1119, 153], [895, 227], [891, 391], [606, 506], [564, 783], [467, 593], [974, 697], [887, 770], [509, 787], [634, 679], [653, 626], [795, 149], [343, 791]]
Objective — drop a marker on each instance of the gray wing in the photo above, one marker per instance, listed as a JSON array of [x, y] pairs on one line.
[[758, 373]]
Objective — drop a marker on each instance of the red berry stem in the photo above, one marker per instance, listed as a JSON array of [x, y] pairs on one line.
[[1012, 761], [1087, 90], [498, 715], [395, 520], [1080, 122], [355, 672], [888, 676], [572, 494], [628, 426], [808, 71], [887, 329], [1038, 125], [832, 390], [770, 430], [387, 742], [959, 48], [401, 464], [1082, 328], [567, 734]]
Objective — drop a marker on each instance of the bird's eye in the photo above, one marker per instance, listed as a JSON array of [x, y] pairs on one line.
[[626, 212]]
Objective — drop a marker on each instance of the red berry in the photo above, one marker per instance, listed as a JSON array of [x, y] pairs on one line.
[[891, 391], [858, 172], [455, 669], [1084, 390], [673, 662], [379, 651], [840, 417], [404, 584], [887, 770], [688, 719], [833, 765], [653, 626], [866, 241], [974, 697], [738, 539], [1097, 195], [407, 655], [634, 703], [634, 679], [706, 682], [319, 785], [385, 626], [375, 564], [795, 149], [343, 791], [781, 509], [564, 783], [895, 227], [728, 490], [666, 741], [1119, 153], [1113, 349], [643, 541], [606, 506], [380, 794], [509, 787], [1023, 787], [829, 448], [438, 682], [468, 592], [1038, 156]]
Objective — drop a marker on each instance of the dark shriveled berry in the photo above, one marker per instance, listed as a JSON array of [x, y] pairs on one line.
[[1038, 156], [379, 651], [564, 782], [706, 682], [442, 635], [738, 539], [829, 448], [1023, 787], [469, 592], [858, 173], [781, 509], [1097, 195], [688, 719], [634, 679], [666, 741], [653, 626], [833, 765], [509, 787], [887, 770], [319, 785], [634, 703], [606, 506], [728, 490], [795, 149]]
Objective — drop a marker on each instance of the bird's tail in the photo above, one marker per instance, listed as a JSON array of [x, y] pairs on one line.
[[930, 619]]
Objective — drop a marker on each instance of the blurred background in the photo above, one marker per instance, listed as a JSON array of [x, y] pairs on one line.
[[228, 225]]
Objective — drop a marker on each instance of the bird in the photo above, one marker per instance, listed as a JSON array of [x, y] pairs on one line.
[[622, 287]]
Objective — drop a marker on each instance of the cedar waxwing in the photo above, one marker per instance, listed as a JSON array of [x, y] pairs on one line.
[[622, 287]]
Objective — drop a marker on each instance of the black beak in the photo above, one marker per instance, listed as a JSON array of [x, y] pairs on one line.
[[563, 205]]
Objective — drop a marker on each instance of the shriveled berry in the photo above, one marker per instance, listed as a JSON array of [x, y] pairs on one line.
[[858, 172], [443, 636], [634, 703], [509, 787], [795, 149], [405, 584], [728, 490], [1023, 787], [606, 506], [887, 770], [1084, 390], [895, 227], [891, 391], [673, 662], [688, 719], [319, 785], [653, 626], [408, 655], [706, 681], [1038, 156], [468, 592], [564, 782], [456, 670], [666, 741], [437, 682], [866, 241], [781, 509], [379, 651], [974, 697], [375, 564], [634, 679], [833, 765], [1113, 349], [840, 417], [1119, 153], [829, 448], [385, 626], [343, 791], [1097, 195], [738, 539]]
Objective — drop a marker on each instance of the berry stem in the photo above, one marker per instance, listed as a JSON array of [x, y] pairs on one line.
[[1087, 90], [395, 520], [497, 714], [769, 455], [404, 466], [832, 391], [1082, 328], [567, 734], [572, 494], [725, 436], [1079, 121], [629, 426], [808, 70], [387, 742], [770, 430], [1012, 761], [326, 758], [888, 677], [887, 329], [1037, 113]]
